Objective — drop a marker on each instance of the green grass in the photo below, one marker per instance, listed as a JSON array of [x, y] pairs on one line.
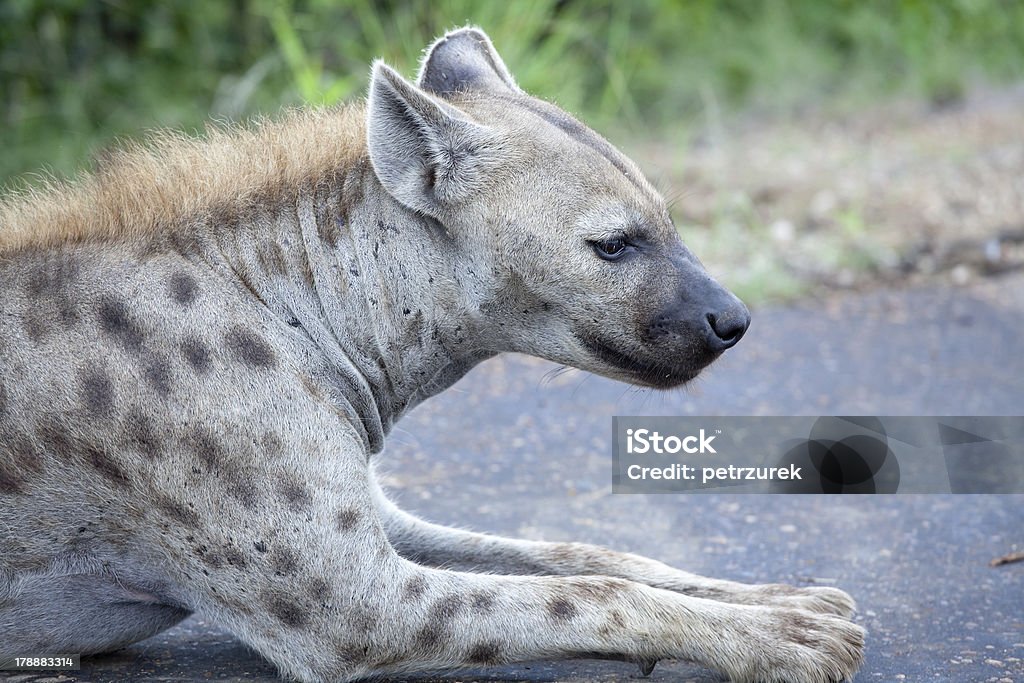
[[76, 74]]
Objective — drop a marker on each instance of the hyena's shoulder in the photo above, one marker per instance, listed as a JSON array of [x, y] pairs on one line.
[[131, 389]]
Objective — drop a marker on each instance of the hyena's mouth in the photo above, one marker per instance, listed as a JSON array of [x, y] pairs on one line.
[[647, 372]]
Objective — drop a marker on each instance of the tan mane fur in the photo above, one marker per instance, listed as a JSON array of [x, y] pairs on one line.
[[159, 184]]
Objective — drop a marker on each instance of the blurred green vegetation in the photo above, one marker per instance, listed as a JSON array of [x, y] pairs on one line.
[[74, 74]]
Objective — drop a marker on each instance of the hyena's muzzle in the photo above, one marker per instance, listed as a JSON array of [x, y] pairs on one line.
[[687, 322], [703, 311]]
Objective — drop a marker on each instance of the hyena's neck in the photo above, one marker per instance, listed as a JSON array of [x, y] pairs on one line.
[[379, 289]]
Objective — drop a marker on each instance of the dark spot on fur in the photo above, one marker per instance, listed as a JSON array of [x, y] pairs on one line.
[[328, 230], [247, 347], [36, 325], [25, 456], [118, 324], [206, 447], [235, 558], [598, 589], [157, 372], [241, 488], [142, 434], [318, 589], [196, 354], [284, 562], [294, 493], [286, 611], [106, 467], [362, 620], [55, 437], [572, 552], [446, 608], [272, 443], [414, 588], [310, 387], [429, 636], [272, 259], [210, 558], [184, 242], [183, 288], [438, 620], [260, 546], [347, 519], [52, 276], [561, 609], [239, 481], [485, 653], [177, 512], [616, 618], [11, 480], [97, 392], [482, 601], [49, 285]]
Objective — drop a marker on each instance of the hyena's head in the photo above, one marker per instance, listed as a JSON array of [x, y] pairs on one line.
[[575, 254]]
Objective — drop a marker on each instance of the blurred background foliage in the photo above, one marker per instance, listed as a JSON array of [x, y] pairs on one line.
[[74, 74], [778, 129]]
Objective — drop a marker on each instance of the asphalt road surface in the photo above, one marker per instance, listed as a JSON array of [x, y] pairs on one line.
[[514, 450]]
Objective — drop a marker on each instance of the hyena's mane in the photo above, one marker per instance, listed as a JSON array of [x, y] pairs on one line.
[[169, 180]]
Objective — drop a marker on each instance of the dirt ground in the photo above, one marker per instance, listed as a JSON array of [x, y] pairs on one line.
[[902, 192]]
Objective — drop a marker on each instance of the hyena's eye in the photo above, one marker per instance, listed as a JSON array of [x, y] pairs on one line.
[[611, 250]]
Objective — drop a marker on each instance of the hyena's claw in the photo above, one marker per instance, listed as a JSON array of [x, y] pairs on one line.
[[647, 666]]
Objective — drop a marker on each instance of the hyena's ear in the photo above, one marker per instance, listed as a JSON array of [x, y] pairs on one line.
[[427, 154], [464, 61]]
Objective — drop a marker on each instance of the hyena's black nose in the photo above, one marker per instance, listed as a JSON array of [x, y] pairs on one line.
[[727, 326]]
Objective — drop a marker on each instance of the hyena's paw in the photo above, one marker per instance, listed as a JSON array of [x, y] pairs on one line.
[[796, 646], [818, 599]]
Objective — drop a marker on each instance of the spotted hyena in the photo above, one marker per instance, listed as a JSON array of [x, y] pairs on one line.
[[205, 343]]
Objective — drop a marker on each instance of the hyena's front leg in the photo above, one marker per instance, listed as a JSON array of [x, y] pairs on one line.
[[440, 546], [391, 616]]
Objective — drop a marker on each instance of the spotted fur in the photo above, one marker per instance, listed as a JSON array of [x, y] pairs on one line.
[[206, 341]]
